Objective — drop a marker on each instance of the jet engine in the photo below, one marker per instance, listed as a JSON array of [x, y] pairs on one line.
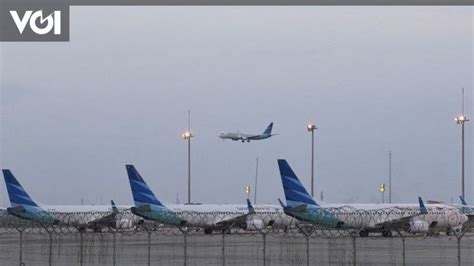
[[417, 227], [254, 224], [124, 223]]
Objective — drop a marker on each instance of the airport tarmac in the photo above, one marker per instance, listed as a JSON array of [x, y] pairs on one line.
[[134, 249]]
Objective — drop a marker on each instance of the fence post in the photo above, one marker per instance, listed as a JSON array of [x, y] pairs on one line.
[[307, 250], [50, 248], [223, 247], [185, 248], [466, 227], [81, 246], [459, 250], [354, 251], [114, 248], [21, 247], [149, 247], [403, 251], [307, 234], [264, 249]]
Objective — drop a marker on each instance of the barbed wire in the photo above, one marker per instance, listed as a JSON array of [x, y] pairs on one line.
[[356, 223]]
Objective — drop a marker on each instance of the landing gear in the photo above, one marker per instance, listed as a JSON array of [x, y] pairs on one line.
[[207, 231], [364, 233], [386, 233], [449, 232]]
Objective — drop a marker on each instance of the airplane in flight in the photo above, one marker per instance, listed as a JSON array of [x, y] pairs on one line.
[[210, 217], [82, 217], [412, 218], [236, 136]]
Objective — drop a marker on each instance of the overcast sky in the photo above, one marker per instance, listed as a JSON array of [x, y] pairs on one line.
[[371, 78]]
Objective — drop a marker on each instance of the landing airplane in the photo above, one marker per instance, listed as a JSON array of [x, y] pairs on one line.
[[236, 136], [211, 217], [413, 218], [81, 217]]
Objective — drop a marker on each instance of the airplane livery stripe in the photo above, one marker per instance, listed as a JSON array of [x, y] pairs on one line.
[[140, 190], [292, 186], [16, 193]]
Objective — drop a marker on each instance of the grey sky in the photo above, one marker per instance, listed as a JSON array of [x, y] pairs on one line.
[[372, 78]]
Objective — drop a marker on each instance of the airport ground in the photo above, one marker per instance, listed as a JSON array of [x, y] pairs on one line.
[[140, 248]]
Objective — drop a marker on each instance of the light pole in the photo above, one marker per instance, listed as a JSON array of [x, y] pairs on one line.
[[187, 136], [390, 176], [311, 128], [461, 120], [256, 178]]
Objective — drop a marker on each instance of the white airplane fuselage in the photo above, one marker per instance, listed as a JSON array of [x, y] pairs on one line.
[[369, 216], [82, 216], [209, 215], [236, 136]]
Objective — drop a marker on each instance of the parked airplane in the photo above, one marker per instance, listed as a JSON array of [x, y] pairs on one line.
[[466, 208], [383, 218], [82, 217], [211, 217], [248, 137]]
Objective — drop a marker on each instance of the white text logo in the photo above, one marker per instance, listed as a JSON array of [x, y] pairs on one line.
[[53, 21]]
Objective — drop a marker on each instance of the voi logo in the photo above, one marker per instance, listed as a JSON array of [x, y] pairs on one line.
[[53, 22]]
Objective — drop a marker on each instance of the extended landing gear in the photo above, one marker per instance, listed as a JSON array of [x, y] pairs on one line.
[[386, 233], [364, 233], [207, 231]]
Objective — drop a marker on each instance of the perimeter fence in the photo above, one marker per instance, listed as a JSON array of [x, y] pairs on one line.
[[264, 239]]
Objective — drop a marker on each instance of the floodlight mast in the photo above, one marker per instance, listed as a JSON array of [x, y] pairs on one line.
[[187, 136], [311, 127], [461, 120]]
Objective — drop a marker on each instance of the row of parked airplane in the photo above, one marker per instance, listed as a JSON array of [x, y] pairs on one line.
[[300, 207]]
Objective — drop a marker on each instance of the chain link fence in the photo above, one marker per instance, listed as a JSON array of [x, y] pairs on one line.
[[76, 240]]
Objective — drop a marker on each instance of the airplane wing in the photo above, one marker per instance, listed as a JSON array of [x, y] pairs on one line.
[[105, 221], [252, 137], [233, 221], [401, 222], [239, 219]]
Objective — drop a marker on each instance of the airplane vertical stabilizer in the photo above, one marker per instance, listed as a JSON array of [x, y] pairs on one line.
[[142, 194], [295, 193], [18, 196], [268, 130], [22, 205]]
